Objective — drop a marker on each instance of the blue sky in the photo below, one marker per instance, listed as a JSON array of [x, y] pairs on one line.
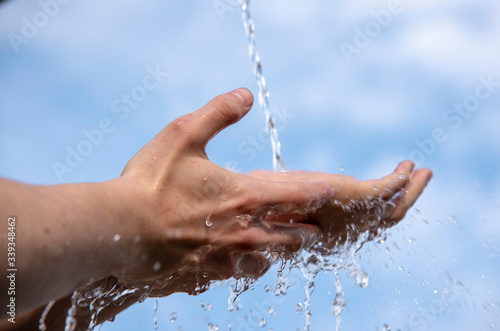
[[365, 114]]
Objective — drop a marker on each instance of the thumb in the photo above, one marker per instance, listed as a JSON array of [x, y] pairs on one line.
[[219, 113]]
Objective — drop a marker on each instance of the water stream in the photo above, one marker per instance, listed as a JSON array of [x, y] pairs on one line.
[[309, 262], [249, 26]]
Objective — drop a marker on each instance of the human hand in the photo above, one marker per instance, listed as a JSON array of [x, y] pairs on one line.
[[357, 206], [192, 221]]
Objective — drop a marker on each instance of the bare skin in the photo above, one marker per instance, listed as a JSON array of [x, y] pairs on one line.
[[173, 214]]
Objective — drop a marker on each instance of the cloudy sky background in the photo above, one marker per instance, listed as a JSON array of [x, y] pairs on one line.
[[439, 268]]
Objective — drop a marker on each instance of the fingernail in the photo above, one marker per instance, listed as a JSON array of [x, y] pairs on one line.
[[245, 96]]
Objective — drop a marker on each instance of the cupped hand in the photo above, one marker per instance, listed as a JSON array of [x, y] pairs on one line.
[[357, 206], [192, 221]]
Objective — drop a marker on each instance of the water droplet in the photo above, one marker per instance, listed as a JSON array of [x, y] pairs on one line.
[[208, 222], [362, 280], [267, 288], [402, 177], [82, 302], [213, 327], [386, 328], [270, 310], [263, 322], [116, 238], [210, 307], [299, 307], [342, 169], [173, 317], [374, 188]]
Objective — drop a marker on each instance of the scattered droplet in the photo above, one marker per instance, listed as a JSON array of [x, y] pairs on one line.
[[263, 322], [208, 222], [116, 238], [299, 307], [156, 266], [213, 327], [173, 317]]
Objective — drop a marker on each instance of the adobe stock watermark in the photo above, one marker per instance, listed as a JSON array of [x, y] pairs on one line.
[[94, 137], [39, 20], [456, 293], [264, 308], [371, 30], [454, 117], [223, 6]]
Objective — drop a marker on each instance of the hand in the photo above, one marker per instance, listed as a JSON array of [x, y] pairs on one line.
[[192, 221], [357, 206]]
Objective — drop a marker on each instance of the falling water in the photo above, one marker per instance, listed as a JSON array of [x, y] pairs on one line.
[[278, 163], [309, 262], [155, 315], [41, 322], [70, 318]]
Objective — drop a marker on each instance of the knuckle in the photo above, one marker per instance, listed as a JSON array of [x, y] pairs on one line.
[[248, 201], [182, 129]]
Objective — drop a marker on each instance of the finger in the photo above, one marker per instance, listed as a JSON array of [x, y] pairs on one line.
[[389, 185], [219, 113], [419, 180], [275, 237], [279, 197]]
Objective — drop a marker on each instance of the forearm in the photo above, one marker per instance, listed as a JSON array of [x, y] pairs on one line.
[[64, 237]]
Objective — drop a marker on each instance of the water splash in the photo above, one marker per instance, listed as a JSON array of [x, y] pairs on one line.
[[41, 322], [249, 26], [236, 288], [70, 318]]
